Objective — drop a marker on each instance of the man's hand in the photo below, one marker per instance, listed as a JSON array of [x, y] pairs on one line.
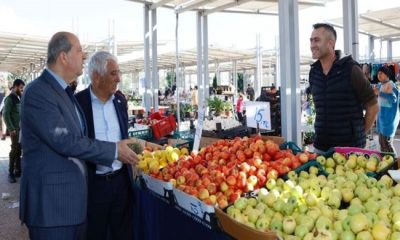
[[370, 116], [125, 154], [13, 133]]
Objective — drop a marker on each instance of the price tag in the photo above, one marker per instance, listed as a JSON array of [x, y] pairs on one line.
[[258, 113]]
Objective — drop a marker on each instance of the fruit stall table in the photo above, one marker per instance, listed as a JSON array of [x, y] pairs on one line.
[[156, 219], [134, 110]]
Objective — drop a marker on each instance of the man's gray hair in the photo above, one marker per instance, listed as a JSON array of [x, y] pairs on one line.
[[98, 62], [58, 43]]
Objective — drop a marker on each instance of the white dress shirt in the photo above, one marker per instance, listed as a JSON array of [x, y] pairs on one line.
[[106, 127]]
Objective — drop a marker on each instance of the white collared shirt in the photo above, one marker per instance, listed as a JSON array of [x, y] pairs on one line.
[[106, 127]]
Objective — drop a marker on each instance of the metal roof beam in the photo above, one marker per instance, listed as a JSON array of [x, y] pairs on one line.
[[181, 8], [359, 31], [379, 21], [251, 12], [159, 4], [226, 6]]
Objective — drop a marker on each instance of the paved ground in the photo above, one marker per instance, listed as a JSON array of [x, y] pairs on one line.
[[10, 226]]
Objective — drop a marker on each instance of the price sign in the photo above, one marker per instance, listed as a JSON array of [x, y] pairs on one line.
[[258, 113]]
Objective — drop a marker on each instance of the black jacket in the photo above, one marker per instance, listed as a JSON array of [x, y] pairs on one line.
[[339, 114]]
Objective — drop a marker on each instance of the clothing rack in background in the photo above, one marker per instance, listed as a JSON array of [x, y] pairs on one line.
[[370, 69]]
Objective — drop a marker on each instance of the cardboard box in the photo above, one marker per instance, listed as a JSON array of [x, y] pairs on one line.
[[146, 144], [276, 139], [196, 208], [159, 187], [240, 231]]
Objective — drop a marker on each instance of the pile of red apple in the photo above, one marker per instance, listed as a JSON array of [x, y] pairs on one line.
[[221, 172]]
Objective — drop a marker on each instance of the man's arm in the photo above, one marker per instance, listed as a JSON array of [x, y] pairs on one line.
[[7, 114], [365, 95], [56, 133], [370, 115]]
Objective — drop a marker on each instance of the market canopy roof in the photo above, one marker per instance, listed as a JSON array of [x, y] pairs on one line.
[[223, 57], [269, 7], [22, 53], [384, 24]]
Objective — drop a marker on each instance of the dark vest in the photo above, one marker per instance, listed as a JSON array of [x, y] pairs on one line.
[[339, 114]]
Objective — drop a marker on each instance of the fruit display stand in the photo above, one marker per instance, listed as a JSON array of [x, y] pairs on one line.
[[196, 209], [161, 189], [155, 217], [158, 220], [374, 163], [241, 231]]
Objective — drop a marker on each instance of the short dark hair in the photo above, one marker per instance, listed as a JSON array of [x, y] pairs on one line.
[[17, 82], [58, 43], [327, 27], [385, 70]]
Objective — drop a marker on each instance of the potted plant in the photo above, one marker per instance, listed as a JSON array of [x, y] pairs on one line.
[[216, 105], [308, 136], [186, 110], [228, 108]]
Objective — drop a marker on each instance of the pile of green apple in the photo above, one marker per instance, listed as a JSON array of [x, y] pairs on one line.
[[345, 205], [357, 163]]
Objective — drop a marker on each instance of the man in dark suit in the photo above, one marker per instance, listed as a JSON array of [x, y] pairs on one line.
[[110, 198], [53, 194]]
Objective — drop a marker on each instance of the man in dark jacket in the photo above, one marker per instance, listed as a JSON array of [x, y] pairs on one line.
[[11, 118], [250, 92], [340, 92], [110, 195]]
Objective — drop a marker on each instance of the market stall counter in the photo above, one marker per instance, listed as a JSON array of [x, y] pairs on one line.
[[135, 110], [157, 219]]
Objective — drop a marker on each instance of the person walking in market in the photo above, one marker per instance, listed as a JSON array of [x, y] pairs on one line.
[[340, 92], [2, 132], [388, 116], [110, 195], [11, 112], [250, 92], [53, 189], [240, 107]]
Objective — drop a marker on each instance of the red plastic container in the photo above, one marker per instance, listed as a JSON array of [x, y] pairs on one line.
[[163, 127]]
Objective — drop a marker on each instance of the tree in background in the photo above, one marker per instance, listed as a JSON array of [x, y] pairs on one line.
[[170, 79], [214, 82], [240, 82]]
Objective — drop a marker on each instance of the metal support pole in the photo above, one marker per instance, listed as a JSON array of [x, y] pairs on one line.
[[289, 70], [258, 73], [156, 80], [147, 93], [200, 84], [350, 28], [371, 43], [206, 81], [177, 73], [234, 77], [389, 50]]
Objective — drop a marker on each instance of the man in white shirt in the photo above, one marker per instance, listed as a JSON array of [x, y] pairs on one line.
[[110, 193]]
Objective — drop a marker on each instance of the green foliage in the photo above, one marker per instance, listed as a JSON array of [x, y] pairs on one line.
[[216, 104], [214, 83], [240, 82], [308, 136], [170, 77], [186, 108], [227, 106]]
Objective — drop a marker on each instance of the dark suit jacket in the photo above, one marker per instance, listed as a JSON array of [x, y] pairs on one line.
[[85, 101], [53, 187]]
